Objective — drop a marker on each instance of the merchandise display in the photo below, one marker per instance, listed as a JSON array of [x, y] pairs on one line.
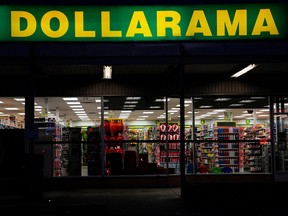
[[226, 149], [170, 151], [114, 153]]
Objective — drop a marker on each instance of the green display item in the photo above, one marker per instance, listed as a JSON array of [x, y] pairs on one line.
[[216, 170]]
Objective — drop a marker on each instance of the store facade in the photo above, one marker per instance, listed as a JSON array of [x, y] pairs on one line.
[[53, 63]]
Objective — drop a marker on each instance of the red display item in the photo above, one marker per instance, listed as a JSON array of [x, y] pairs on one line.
[[170, 137], [118, 149], [57, 163], [169, 127], [106, 138], [162, 128], [163, 137], [113, 127], [120, 137], [113, 138], [120, 126], [203, 169], [175, 128], [106, 126], [176, 137]]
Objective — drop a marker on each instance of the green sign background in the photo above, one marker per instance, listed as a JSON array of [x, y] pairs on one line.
[[121, 16]]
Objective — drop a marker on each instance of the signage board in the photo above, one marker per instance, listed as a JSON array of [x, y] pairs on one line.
[[143, 23]]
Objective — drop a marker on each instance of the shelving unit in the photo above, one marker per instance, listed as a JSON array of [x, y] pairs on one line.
[[257, 151], [228, 152], [93, 151], [205, 154]]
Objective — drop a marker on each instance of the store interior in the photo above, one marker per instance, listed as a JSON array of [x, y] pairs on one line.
[[142, 134], [86, 111]]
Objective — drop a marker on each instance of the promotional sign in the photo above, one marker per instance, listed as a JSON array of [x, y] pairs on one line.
[[143, 23]]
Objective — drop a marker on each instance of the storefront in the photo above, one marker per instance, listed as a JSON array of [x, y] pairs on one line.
[[165, 74]]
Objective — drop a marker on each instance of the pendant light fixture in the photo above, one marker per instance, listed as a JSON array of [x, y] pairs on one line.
[[107, 72]]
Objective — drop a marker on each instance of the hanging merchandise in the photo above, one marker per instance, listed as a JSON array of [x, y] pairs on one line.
[[113, 138], [169, 155]]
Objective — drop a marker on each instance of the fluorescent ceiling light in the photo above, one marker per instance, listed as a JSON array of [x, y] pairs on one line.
[[77, 106], [246, 101], [131, 102], [1, 102], [244, 70], [129, 105], [258, 97], [162, 100], [70, 99], [19, 99], [73, 103], [133, 98], [172, 111], [239, 117], [236, 105], [148, 112], [222, 99], [205, 106], [219, 111], [185, 105], [263, 115], [79, 112], [11, 108]]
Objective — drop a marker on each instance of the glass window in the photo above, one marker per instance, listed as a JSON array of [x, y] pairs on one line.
[[231, 135], [141, 135], [280, 107]]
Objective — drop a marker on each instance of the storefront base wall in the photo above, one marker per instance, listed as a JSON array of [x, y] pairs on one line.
[[112, 182], [243, 190], [152, 181]]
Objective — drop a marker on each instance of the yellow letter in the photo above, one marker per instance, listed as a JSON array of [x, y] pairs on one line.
[[265, 15], [79, 26], [198, 16], [138, 17], [105, 24], [163, 23], [16, 27], [46, 24], [223, 20]]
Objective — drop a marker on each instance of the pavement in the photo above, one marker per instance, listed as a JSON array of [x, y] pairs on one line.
[[138, 202]]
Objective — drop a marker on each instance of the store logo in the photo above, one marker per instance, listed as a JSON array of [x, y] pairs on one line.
[[149, 23]]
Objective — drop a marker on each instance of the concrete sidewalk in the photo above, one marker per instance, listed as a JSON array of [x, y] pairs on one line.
[[136, 201]]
